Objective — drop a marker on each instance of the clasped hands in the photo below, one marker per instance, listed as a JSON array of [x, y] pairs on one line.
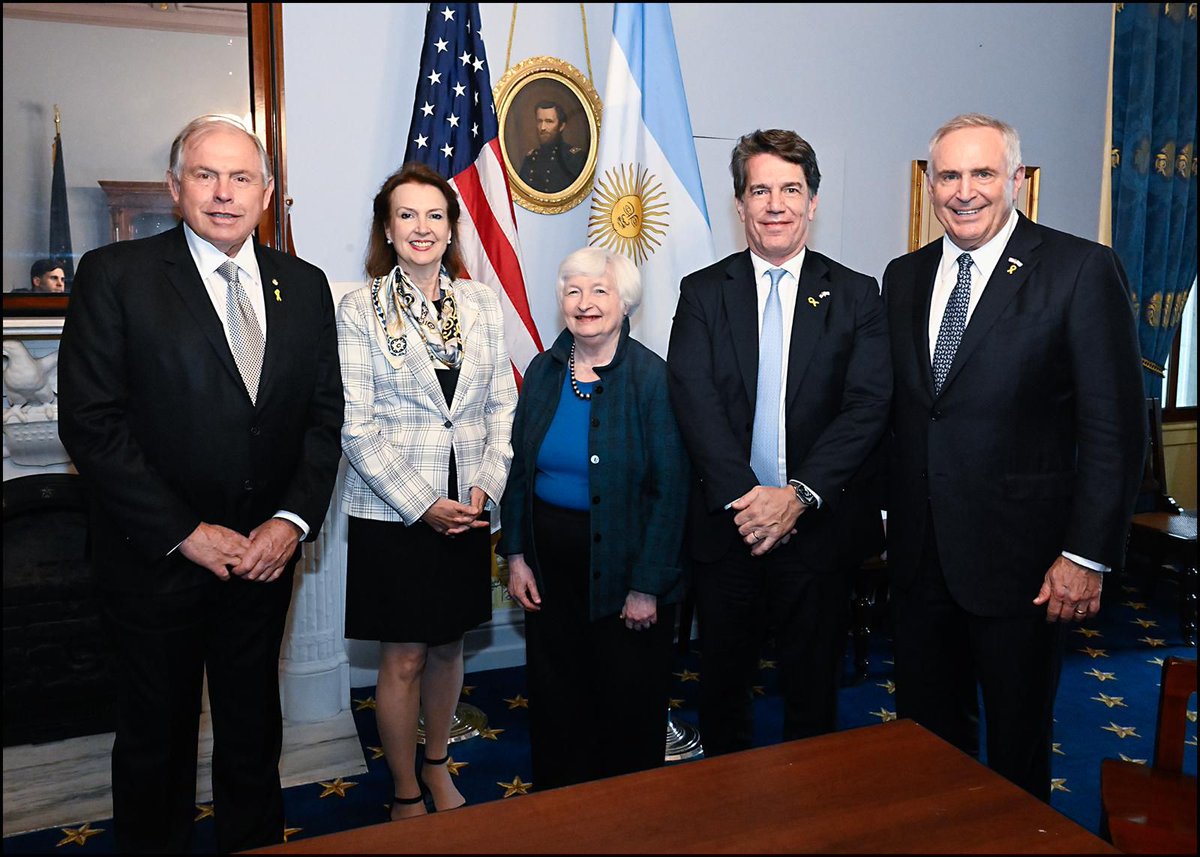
[[259, 557], [450, 518], [766, 517]]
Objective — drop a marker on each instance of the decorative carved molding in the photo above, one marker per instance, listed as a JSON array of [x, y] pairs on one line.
[[223, 19]]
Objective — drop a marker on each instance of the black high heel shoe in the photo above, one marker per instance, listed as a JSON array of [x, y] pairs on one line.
[[426, 790], [406, 801]]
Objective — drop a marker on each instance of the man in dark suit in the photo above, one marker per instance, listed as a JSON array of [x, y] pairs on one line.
[[1016, 451], [555, 163], [210, 453], [780, 381]]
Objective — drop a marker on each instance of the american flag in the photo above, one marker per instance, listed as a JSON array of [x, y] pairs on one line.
[[454, 130]]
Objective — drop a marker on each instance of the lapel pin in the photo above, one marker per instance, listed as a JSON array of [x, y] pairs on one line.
[[823, 295], [813, 301], [278, 297], [1016, 263]]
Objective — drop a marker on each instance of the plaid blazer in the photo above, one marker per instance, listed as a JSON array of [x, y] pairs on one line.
[[398, 430]]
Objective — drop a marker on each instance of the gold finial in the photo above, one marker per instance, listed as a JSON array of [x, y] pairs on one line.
[[57, 121]]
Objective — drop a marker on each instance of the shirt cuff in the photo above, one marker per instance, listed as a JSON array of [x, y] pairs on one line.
[[1087, 563], [295, 519]]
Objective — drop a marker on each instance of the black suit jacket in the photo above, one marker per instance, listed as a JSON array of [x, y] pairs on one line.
[[839, 382], [156, 417], [1035, 444]]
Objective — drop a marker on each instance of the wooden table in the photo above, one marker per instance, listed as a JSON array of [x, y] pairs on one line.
[[1173, 539], [892, 788]]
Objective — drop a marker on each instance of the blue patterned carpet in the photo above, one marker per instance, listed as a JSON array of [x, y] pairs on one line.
[[1106, 708]]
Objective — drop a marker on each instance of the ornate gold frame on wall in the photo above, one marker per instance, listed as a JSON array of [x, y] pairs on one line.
[[924, 227], [522, 86]]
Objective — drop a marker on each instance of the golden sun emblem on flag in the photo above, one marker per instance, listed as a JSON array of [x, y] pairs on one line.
[[629, 212]]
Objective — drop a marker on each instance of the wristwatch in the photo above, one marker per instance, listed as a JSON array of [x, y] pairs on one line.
[[805, 496]]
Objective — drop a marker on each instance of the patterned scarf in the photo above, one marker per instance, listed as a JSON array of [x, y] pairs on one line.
[[440, 332]]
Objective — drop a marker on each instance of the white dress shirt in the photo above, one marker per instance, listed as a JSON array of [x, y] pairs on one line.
[[789, 288]]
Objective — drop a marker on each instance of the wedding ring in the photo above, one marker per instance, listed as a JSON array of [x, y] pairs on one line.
[[755, 534], [1080, 612]]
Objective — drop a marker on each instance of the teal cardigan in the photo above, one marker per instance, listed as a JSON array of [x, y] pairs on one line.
[[638, 478]]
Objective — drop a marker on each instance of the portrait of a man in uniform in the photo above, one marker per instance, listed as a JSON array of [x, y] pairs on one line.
[[553, 164]]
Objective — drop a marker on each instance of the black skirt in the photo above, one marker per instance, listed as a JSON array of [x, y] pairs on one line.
[[412, 585]]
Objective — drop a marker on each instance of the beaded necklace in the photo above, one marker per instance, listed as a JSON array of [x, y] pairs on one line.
[[574, 384]]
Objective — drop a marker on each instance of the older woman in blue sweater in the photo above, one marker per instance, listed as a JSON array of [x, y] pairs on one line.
[[593, 526]]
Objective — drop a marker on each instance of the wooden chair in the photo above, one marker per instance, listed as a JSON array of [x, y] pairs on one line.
[[1152, 809]]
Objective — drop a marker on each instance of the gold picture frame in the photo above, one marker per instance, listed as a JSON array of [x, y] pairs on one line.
[[542, 80], [924, 227]]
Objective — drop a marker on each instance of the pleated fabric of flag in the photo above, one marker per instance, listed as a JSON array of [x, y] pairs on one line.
[[454, 131], [648, 201]]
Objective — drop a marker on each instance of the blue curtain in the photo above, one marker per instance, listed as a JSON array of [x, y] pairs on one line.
[[1154, 168]]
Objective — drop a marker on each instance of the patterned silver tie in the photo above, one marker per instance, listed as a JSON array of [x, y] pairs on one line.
[[245, 336], [954, 322]]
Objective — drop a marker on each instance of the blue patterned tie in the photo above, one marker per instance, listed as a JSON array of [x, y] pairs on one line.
[[764, 445], [954, 322]]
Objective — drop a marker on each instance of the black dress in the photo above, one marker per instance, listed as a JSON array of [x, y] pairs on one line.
[[410, 584]]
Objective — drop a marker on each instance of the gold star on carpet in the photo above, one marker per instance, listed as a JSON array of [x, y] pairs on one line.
[[758, 690], [363, 704], [1059, 784], [1056, 747], [376, 753], [1121, 731], [454, 767], [204, 810], [1191, 715], [1088, 632], [1095, 673], [883, 714], [1136, 605], [1158, 662], [337, 787], [1111, 701], [1152, 642], [79, 835], [1145, 623], [674, 703], [289, 832], [467, 689], [766, 665], [889, 685], [517, 701], [688, 675], [1125, 758], [516, 787], [489, 733], [1094, 653]]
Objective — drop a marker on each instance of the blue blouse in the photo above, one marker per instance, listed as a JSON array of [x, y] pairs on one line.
[[562, 462]]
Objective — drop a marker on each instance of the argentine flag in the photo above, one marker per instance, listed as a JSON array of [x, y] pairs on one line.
[[648, 202]]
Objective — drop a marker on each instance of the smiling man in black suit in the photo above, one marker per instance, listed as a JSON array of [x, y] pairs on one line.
[[780, 381], [201, 399], [1018, 432]]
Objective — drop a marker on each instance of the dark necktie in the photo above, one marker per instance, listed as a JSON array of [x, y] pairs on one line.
[[245, 335], [764, 443], [954, 322]]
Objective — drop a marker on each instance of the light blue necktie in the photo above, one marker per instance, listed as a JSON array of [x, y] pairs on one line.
[[764, 445], [954, 322]]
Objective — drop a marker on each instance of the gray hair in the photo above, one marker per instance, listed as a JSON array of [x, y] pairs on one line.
[[200, 126], [1012, 141], [594, 261]]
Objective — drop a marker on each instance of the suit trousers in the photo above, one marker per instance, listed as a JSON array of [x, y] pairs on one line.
[[946, 657], [597, 690], [742, 600], [163, 646]]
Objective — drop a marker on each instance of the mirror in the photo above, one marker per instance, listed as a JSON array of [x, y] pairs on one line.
[[126, 77]]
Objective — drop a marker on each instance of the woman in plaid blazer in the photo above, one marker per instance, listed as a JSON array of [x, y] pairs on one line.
[[593, 526], [430, 398]]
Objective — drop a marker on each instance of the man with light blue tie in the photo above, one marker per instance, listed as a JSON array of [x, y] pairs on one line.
[[780, 378]]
